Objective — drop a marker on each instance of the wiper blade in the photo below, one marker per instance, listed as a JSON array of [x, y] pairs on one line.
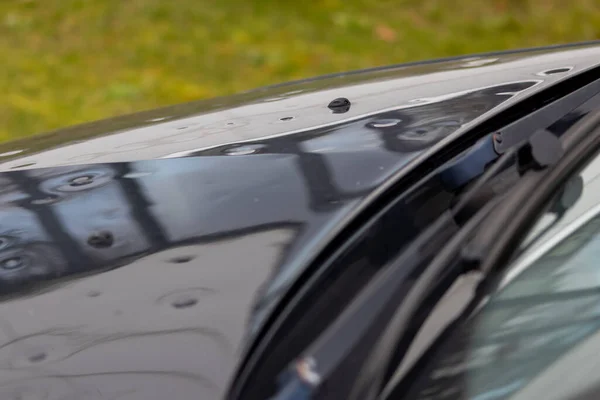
[[489, 249], [460, 256]]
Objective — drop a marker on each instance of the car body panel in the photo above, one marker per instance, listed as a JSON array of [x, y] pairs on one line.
[[146, 266]]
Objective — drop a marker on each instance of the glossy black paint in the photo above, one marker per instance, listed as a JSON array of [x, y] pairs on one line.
[[143, 278]]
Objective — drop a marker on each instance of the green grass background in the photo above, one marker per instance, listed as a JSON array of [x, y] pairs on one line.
[[69, 61]]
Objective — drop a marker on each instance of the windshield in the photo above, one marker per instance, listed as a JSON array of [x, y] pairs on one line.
[[538, 336]]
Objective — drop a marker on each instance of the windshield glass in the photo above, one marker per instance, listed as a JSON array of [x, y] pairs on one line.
[[538, 336]]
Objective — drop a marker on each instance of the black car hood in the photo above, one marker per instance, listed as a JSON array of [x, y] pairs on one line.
[[141, 275]]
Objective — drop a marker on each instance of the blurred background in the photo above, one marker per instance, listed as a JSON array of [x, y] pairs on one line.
[[70, 61]]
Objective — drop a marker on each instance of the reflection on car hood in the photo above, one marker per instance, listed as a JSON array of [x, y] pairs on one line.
[[295, 108], [136, 276]]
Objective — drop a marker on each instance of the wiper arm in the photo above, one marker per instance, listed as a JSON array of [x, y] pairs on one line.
[[461, 255], [490, 248]]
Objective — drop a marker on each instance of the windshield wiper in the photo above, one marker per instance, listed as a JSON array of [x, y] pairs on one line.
[[465, 253], [490, 245]]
